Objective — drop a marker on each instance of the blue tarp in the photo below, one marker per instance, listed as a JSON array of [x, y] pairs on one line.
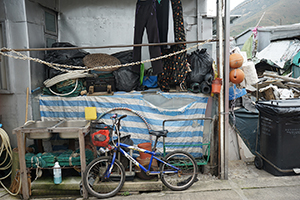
[[152, 110]]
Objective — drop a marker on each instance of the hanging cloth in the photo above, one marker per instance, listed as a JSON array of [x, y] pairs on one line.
[[162, 14], [175, 68], [145, 17]]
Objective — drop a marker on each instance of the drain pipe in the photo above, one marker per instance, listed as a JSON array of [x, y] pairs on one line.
[[224, 95]]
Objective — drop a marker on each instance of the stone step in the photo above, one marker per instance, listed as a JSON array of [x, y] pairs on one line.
[[45, 185]]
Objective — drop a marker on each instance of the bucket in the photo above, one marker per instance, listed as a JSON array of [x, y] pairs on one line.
[[147, 146], [216, 86]]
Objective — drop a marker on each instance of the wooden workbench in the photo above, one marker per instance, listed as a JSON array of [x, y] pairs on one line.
[[73, 132]]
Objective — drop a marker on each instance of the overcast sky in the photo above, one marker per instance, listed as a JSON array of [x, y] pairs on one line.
[[211, 5], [234, 3]]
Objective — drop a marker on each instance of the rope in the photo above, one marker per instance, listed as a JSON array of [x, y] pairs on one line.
[[62, 77], [64, 68], [65, 94], [5, 146]]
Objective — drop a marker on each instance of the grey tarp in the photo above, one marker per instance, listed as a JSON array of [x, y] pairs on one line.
[[246, 124]]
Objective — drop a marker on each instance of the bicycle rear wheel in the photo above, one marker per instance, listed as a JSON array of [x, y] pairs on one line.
[[187, 174], [95, 181]]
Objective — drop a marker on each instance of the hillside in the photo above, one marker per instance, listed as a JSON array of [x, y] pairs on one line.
[[277, 12]]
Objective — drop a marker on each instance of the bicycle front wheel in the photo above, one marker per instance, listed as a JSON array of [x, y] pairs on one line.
[[187, 174], [98, 182]]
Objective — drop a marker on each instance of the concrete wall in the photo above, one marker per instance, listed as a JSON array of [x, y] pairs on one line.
[[82, 23], [24, 28], [101, 23], [13, 104]]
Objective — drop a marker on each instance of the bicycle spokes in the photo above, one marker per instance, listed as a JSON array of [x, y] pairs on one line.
[[101, 181], [183, 178]]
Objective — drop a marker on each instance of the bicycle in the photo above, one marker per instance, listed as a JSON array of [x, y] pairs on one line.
[[105, 176]]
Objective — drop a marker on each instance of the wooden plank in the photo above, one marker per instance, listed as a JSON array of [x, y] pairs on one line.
[[23, 171], [82, 160]]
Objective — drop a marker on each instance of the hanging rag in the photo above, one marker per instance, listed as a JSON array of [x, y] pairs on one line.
[[175, 68]]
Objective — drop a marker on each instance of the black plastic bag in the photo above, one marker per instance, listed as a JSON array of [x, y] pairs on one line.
[[68, 57], [201, 64], [126, 80], [124, 56]]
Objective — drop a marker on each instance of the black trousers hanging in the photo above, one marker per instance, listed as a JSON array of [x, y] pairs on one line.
[[145, 17], [162, 13]]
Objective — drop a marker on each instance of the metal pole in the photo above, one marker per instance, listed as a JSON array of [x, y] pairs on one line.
[[226, 85], [221, 96]]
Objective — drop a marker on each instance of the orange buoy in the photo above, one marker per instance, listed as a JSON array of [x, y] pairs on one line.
[[236, 76], [236, 60]]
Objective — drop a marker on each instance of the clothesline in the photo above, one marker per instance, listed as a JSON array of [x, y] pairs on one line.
[[62, 66], [110, 46]]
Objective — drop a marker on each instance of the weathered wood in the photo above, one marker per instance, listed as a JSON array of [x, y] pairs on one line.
[[82, 160], [23, 171], [15, 164], [282, 77]]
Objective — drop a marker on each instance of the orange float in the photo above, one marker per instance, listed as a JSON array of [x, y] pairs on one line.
[[236, 76], [236, 60]]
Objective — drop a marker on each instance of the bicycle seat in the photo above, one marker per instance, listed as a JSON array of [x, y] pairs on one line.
[[159, 133]]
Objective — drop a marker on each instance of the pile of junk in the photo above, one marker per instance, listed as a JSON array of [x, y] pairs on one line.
[[77, 72], [274, 71], [265, 104]]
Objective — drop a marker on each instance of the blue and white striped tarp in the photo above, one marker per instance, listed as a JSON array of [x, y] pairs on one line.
[[144, 112]]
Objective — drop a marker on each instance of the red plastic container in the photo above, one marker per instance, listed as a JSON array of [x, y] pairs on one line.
[[216, 86], [147, 146]]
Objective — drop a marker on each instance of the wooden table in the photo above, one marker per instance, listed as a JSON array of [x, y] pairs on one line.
[[41, 129]]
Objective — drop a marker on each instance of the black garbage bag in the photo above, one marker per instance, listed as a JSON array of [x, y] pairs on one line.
[[126, 80], [201, 65], [124, 56], [68, 57]]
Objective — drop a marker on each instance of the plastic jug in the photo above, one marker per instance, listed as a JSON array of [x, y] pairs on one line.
[[57, 173]]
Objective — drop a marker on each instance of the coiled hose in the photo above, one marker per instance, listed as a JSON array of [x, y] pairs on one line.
[[6, 147]]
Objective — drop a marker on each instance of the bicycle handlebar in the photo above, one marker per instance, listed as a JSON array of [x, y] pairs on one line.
[[117, 121], [115, 116], [123, 116]]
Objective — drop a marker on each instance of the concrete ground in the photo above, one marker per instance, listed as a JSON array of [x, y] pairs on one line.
[[245, 182]]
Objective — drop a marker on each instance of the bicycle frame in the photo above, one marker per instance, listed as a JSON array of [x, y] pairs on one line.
[[129, 157]]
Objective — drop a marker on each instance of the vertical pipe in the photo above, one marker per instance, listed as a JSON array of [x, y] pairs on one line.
[[201, 10], [221, 96], [198, 19], [226, 84]]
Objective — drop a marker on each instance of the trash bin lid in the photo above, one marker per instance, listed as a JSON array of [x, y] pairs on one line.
[[282, 103], [289, 107]]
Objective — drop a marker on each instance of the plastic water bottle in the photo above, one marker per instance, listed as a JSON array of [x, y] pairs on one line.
[[57, 173]]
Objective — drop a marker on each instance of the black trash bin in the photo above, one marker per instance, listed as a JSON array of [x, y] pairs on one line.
[[280, 136]]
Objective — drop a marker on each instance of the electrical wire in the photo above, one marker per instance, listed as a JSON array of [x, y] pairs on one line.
[[6, 147]]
